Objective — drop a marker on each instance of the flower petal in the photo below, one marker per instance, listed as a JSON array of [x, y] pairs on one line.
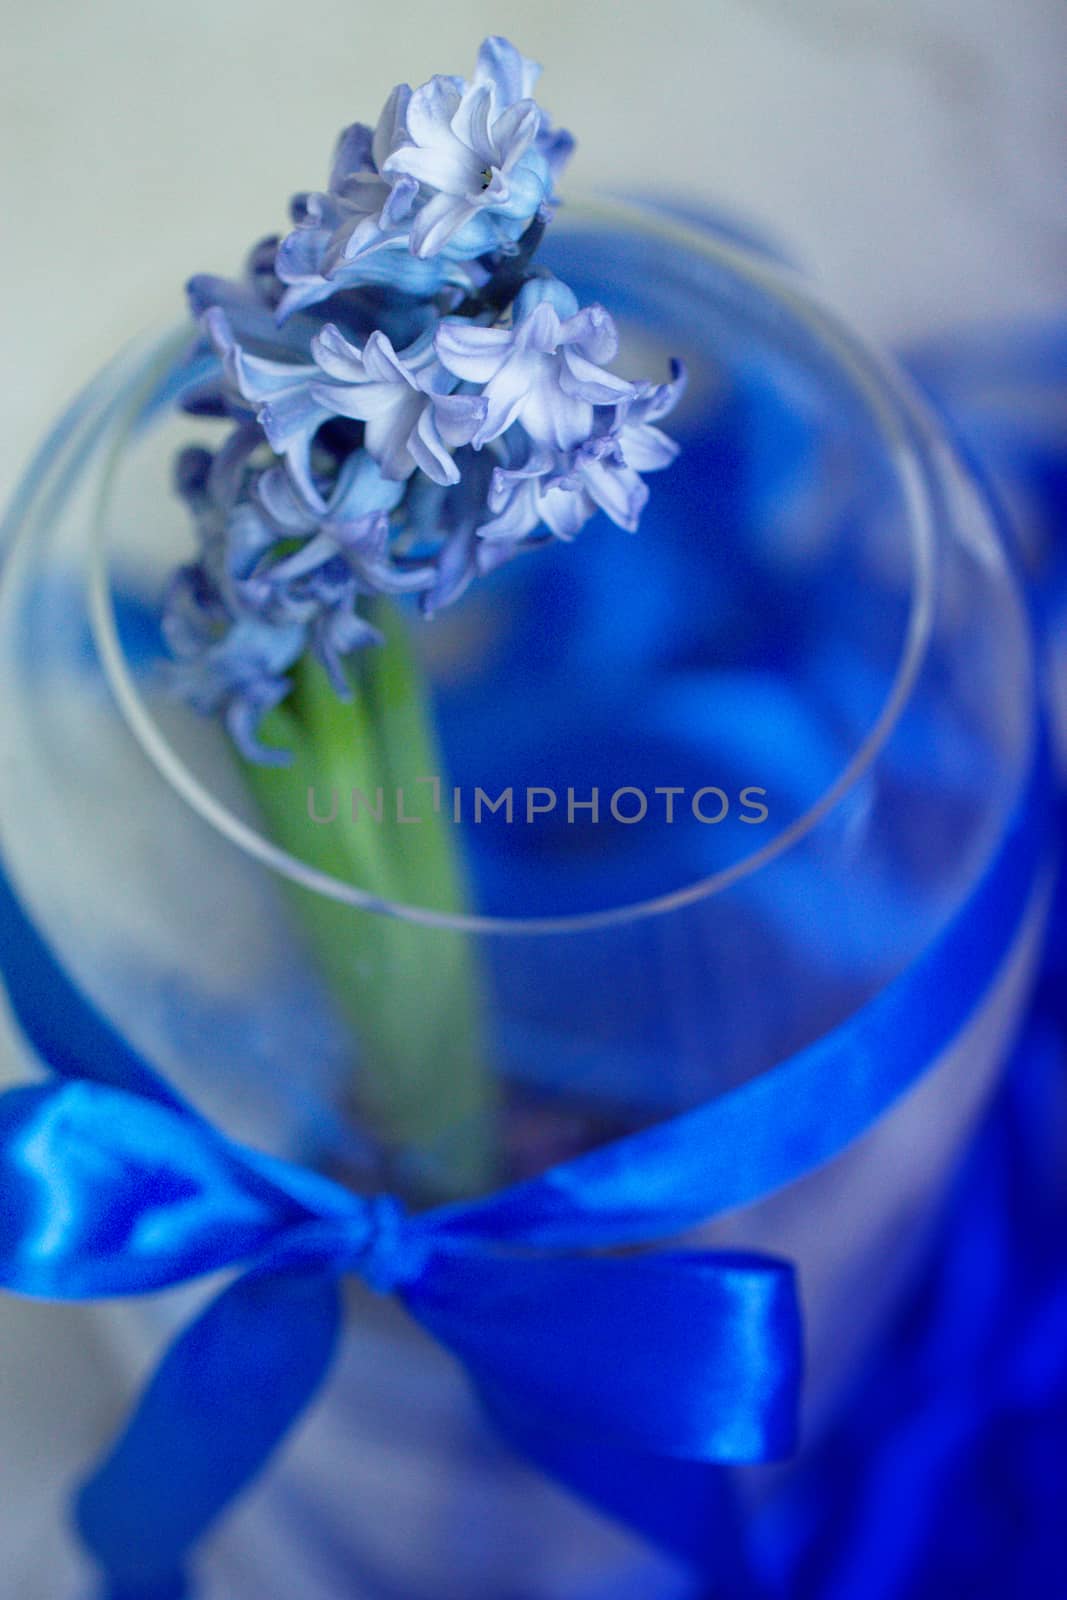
[[337, 357], [300, 254], [588, 382], [446, 166], [432, 107], [292, 418], [518, 516], [381, 362], [438, 221], [279, 501], [244, 714], [548, 289], [472, 353], [312, 555], [539, 328], [566, 510], [401, 198], [303, 292], [645, 448], [392, 129], [553, 417], [593, 333], [555, 147], [666, 396], [361, 488], [514, 131], [429, 450], [360, 401], [511, 75], [507, 396], [389, 431], [352, 153], [471, 122], [618, 491], [459, 416]]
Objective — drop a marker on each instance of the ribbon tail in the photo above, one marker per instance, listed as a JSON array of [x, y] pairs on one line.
[[226, 1393], [687, 1508]]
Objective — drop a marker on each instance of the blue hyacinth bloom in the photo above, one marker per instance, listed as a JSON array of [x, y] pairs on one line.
[[413, 401], [543, 371]]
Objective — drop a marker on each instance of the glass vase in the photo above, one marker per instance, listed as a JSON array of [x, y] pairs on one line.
[[757, 755]]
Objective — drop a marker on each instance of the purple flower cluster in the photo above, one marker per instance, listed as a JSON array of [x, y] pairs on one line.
[[412, 400]]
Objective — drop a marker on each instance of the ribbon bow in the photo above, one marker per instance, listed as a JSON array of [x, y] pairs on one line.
[[112, 1185], [684, 1355]]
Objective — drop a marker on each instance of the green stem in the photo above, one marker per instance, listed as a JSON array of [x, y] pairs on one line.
[[411, 993]]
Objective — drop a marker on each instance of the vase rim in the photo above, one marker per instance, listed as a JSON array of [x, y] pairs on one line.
[[897, 414]]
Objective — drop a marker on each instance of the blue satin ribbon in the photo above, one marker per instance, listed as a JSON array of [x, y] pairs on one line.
[[112, 1186], [628, 1377]]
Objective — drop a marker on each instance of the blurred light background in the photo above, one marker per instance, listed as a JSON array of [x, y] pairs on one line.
[[911, 152]]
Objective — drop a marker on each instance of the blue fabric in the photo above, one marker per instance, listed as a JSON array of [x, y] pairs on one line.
[[944, 1473]]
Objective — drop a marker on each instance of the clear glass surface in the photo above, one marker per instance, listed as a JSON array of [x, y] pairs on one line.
[[817, 607]]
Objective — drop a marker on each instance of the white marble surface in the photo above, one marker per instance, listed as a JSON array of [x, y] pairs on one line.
[[912, 150]]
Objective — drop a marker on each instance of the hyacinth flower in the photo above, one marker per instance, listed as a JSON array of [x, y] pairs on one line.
[[412, 401]]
